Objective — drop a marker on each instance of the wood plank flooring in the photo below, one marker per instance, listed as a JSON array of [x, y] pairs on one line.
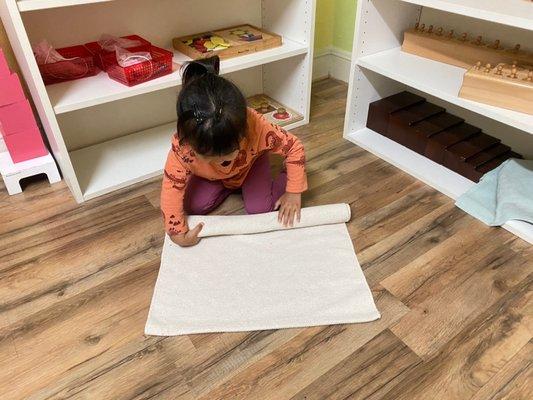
[[76, 283]]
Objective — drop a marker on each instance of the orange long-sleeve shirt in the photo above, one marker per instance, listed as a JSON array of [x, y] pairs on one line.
[[261, 136]]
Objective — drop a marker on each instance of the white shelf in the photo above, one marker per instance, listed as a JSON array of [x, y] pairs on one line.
[[117, 163], [433, 174], [518, 13], [99, 89], [440, 80], [31, 5]]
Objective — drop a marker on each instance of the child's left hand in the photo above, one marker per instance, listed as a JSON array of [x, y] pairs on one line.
[[289, 206]]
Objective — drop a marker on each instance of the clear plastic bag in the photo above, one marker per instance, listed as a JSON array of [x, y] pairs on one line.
[[110, 42], [127, 59], [46, 54]]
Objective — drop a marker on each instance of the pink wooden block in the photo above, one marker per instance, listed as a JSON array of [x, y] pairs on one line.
[[4, 69], [10, 90], [25, 145], [17, 117]]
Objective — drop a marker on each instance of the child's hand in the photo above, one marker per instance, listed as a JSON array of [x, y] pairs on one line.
[[188, 239], [289, 206]]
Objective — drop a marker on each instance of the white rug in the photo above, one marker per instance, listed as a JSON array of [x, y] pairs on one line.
[[249, 273]]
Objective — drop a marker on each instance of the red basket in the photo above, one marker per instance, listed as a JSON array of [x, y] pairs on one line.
[[105, 58], [80, 64], [159, 65]]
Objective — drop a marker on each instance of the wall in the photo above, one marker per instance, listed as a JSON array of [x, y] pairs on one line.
[[335, 21]]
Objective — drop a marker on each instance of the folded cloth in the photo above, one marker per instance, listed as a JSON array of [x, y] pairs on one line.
[[503, 194]]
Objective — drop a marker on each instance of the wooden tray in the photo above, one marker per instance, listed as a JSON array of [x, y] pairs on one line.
[[227, 43], [506, 86], [273, 111], [462, 51]]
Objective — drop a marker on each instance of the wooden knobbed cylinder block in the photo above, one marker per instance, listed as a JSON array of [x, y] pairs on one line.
[[506, 86], [460, 51]]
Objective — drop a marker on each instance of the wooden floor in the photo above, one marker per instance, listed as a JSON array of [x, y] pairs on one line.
[[455, 297]]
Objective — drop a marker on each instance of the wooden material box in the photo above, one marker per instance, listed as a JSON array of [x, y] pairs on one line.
[[502, 86], [227, 43], [379, 111]]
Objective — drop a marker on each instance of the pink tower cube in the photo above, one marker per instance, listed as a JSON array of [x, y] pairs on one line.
[[10, 90], [4, 69], [17, 122]]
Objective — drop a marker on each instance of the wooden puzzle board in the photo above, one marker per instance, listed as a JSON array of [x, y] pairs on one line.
[[273, 111], [227, 43]]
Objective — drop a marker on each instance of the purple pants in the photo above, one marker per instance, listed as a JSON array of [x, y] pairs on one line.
[[259, 191]]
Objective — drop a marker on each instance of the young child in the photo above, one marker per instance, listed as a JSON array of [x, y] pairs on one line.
[[221, 146]]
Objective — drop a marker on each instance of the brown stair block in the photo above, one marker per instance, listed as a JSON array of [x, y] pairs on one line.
[[488, 154], [401, 122], [456, 155], [380, 111], [438, 143], [423, 130], [489, 166]]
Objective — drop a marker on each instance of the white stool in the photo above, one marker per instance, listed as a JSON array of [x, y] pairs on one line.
[[12, 172]]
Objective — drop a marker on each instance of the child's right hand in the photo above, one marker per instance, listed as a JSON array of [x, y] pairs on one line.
[[189, 238]]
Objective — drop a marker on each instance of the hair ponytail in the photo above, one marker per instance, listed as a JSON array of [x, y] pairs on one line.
[[198, 68], [211, 110]]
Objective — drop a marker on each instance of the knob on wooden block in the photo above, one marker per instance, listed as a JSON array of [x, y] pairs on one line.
[[513, 73], [478, 40], [499, 70], [488, 67], [439, 31], [464, 37], [478, 65], [451, 34]]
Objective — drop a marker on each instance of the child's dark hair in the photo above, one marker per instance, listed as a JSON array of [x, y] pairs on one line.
[[211, 110]]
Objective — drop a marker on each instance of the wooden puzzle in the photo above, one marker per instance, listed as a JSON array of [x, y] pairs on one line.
[[273, 111], [503, 85], [227, 43], [460, 50]]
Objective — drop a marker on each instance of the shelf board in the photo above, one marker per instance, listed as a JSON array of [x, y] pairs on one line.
[[422, 168], [517, 13], [99, 89], [32, 5], [118, 163], [440, 80]]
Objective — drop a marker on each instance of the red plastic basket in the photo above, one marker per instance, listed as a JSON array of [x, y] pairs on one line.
[[80, 64], [105, 58], [159, 65]]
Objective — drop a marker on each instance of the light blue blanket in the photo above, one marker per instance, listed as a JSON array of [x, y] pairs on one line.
[[502, 194]]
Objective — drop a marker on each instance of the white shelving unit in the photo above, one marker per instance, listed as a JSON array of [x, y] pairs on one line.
[[379, 69], [105, 135]]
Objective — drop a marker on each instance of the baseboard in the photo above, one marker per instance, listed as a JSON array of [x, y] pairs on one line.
[[332, 62]]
